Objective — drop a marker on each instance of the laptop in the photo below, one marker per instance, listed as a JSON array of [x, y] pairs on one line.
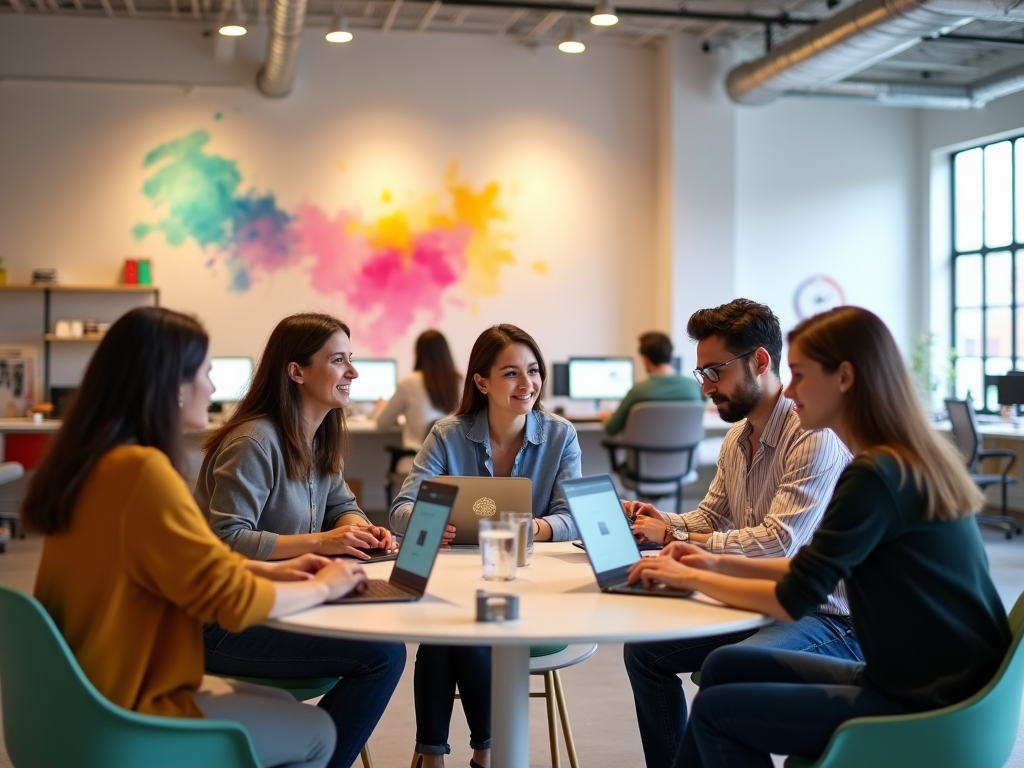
[[482, 498], [416, 558], [607, 537]]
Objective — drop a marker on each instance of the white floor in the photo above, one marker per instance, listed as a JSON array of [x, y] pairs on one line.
[[597, 691]]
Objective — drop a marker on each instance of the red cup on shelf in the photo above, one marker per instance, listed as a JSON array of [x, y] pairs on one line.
[[131, 272]]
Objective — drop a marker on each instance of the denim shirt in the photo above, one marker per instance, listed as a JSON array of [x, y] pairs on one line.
[[461, 445]]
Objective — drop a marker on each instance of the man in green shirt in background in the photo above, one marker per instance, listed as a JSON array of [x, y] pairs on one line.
[[663, 383]]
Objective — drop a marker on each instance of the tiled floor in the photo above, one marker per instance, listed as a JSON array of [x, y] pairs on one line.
[[597, 691]]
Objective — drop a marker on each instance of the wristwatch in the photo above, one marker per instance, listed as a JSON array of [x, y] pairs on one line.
[[677, 534]]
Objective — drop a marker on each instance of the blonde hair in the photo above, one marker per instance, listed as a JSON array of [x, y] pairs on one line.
[[882, 411]]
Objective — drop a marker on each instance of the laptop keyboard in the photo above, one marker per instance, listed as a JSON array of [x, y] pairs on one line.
[[379, 588]]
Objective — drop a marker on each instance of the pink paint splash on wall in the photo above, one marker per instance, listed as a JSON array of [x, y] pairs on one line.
[[393, 271]]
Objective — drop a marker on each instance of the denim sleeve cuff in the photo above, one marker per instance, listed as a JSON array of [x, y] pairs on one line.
[[562, 527], [255, 545]]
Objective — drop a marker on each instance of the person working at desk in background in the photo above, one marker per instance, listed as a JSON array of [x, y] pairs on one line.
[[271, 487], [500, 430], [766, 499], [129, 566], [663, 383], [429, 393], [899, 528]]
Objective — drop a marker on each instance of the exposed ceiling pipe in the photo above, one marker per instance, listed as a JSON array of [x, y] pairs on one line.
[[277, 76], [860, 36]]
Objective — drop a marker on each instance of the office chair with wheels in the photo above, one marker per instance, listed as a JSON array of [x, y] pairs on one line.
[[399, 464], [53, 715], [968, 440], [976, 733], [655, 456]]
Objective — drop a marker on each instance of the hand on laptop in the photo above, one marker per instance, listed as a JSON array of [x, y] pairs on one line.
[[448, 536], [661, 570], [351, 540], [342, 578], [688, 554], [651, 529], [299, 568]]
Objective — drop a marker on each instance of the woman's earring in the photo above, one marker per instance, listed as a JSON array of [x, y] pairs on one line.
[[181, 404]]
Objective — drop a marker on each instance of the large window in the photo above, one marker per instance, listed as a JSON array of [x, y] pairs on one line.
[[988, 267]]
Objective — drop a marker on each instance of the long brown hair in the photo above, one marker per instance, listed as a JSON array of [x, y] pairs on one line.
[[882, 411], [441, 379], [274, 396], [486, 349], [129, 394]]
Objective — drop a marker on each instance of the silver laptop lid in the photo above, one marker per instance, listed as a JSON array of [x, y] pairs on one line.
[[482, 498]]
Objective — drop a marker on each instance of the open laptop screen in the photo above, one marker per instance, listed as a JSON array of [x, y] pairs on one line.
[[426, 528], [603, 526]]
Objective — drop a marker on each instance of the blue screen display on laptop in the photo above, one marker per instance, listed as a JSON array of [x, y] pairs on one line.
[[422, 538], [603, 526]]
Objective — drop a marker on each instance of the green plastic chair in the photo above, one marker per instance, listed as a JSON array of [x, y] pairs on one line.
[[53, 716], [976, 733]]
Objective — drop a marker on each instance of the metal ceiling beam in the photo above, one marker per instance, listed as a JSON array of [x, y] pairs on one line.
[[16, 5], [130, 5], [392, 15], [779, 19], [543, 26], [511, 21], [107, 8], [429, 16], [1010, 41]]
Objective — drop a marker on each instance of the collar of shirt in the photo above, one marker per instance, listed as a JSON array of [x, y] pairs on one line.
[[480, 432], [776, 424]]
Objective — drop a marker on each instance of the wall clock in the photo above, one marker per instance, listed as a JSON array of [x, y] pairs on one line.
[[816, 294]]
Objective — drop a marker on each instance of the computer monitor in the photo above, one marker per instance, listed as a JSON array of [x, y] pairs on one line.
[[1011, 388], [600, 378], [231, 376], [560, 379], [377, 379]]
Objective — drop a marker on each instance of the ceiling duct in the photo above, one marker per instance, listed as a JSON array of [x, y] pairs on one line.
[[277, 76], [863, 35]]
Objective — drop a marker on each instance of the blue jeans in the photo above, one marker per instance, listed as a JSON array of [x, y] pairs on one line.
[[756, 702], [658, 693], [439, 668], [369, 673]]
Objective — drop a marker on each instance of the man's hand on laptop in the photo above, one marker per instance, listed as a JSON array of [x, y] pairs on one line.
[[661, 570]]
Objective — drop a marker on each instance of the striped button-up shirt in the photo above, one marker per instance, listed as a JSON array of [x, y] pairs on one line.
[[769, 504]]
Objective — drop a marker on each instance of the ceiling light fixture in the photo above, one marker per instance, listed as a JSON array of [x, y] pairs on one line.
[[234, 21], [604, 15], [339, 30], [571, 43]]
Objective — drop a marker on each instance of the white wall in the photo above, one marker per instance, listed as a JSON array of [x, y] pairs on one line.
[[827, 187], [569, 140]]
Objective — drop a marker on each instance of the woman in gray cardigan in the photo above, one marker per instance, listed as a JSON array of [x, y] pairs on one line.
[[271, 486]]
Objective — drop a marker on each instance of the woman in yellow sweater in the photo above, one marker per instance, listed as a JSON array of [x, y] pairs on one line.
[[130, 569]]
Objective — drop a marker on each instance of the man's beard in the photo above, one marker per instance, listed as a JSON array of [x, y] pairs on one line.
[[743, 402]]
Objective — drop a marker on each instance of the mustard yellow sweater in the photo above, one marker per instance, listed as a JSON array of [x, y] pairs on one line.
[[131, 581]]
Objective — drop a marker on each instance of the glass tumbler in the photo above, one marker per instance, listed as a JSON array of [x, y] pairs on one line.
[[523, 522], [498, 550]]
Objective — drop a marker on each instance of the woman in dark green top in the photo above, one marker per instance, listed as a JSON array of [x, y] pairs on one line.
[[899, 529]]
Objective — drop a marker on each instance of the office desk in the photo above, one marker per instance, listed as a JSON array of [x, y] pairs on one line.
[[559, 603]]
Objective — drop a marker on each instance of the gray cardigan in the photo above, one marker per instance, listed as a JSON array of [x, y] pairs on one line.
[[248, 498]]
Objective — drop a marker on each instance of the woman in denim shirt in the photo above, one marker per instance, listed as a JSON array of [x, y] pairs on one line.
[[499, 430]]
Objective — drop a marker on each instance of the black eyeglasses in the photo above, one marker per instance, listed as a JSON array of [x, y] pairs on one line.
[[711, 372]]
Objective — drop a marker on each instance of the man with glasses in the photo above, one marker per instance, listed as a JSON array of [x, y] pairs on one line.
[[767, 498]]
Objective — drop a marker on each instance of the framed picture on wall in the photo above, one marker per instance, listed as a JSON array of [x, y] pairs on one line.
[[17, 381]]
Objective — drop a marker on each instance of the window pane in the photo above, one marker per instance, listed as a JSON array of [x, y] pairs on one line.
[[967, 199], [1020, 337], [968, 379], [968, 280], [998, 194], [998, 279], [995, 366], [968, 332], [998, 330], [1019, 152]]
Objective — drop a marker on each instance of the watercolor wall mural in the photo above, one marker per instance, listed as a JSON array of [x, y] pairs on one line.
[[395, 270]]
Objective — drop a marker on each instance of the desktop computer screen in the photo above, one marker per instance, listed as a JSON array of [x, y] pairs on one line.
[[377, 379], [231, 376], [600, 378]]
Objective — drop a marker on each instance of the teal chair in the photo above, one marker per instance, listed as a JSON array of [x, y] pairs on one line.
[[53, 716], [977, 733]]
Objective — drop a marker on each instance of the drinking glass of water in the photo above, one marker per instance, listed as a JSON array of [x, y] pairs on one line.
[[523, 522], [498, 550]]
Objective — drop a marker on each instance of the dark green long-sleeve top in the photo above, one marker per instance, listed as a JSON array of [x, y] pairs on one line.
[[655, 388], [930, 623]]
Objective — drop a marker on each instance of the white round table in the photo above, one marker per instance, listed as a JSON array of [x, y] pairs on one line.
[[559, 602]]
